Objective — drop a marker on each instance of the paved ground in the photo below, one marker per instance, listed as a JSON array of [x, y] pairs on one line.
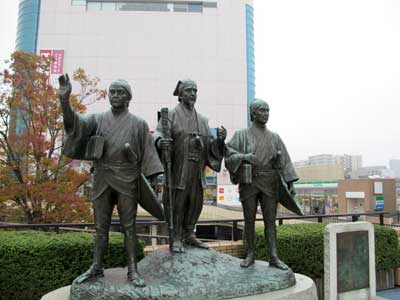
[[392, 294]]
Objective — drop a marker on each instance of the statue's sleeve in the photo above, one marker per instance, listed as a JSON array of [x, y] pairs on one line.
[[287, 169], [150, 162], [234, 155], [215, 148], [84, 126]]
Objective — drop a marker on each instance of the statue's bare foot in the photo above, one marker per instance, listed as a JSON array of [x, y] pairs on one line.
[[277, 263], [248, 261], [135, 279], [178, 247], [193, 241], [91, 274]]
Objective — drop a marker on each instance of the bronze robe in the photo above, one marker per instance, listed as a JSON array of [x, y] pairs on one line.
[[117, 168], [272, 157], [183, 126]]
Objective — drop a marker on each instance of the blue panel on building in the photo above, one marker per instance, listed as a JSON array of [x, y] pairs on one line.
[[28, 25], [379, 206], [251, 84]]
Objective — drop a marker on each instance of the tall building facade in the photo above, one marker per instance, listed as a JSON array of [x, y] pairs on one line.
[[152, 44]]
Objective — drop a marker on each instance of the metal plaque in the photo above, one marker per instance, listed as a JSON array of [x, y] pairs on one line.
[[352, 261]]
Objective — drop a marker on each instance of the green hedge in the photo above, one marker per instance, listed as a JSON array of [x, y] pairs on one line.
[[34, 263], [301, 246]]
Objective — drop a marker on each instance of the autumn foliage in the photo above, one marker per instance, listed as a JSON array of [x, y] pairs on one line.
[[33, 173]]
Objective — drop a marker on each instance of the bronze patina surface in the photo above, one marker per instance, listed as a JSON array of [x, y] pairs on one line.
[[352, 261], [258, 161], [195, 274], [187, 138], [123, 154]]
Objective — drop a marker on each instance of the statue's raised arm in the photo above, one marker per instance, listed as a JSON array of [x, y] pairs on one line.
[[64, 93]]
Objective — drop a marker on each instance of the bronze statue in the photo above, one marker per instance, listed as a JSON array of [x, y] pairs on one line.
[[192, 148], [123, 153], [258, 161]]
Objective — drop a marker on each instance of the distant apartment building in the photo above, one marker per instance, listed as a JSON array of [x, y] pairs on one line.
[[372, 172], [394, 165], [352, 162], [324, 159], [323, 172], [327, 167]]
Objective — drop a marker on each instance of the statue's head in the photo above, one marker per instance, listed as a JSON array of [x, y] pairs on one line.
[[186, 90], [119, 94], [259, 111]]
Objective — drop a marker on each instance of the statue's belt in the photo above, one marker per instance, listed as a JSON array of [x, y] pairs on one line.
[[116, 166], [247, 171], [263, 170]]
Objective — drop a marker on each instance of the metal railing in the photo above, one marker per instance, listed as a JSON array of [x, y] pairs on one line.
[[58, 227]]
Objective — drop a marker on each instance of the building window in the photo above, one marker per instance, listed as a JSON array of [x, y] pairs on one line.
[[195, 7], [143, 6], [78, 2], [210, 4], [180, 7], [108, 6], [94, 6]]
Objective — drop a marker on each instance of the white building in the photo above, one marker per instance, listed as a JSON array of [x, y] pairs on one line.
[[352, 162], [394, 165], [324, 159], [152, 44]]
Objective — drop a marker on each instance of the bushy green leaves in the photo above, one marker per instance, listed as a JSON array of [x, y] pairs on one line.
[[387, 248], [35, 263], [301, 246]]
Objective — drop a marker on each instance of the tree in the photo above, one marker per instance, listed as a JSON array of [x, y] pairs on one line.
[[33, 173]]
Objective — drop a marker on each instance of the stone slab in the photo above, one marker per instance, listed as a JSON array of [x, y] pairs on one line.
[[304, 289], [356, 263]]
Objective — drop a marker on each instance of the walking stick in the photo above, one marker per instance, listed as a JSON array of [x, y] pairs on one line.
[[166, 153]]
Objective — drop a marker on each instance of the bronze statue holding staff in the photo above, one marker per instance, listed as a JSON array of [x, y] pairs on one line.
[[192, 149]]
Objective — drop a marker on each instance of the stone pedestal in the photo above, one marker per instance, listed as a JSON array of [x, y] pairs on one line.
[[197, 274], [304, 289]]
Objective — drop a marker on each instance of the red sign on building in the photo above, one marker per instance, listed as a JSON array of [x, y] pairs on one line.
[[57, 65]]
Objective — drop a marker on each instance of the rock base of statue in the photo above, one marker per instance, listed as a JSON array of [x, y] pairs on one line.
[[197, 274]]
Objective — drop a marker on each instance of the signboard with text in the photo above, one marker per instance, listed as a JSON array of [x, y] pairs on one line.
[[228, 195], [379, 202], [57, 65]]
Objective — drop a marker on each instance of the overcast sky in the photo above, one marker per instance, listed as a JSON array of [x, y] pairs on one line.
[[329, 69]]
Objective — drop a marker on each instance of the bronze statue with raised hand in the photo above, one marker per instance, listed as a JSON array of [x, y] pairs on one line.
[[123, 154], [192, 148], [258, 161]]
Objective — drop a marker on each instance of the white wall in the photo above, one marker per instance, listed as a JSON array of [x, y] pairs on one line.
[[152, 50]]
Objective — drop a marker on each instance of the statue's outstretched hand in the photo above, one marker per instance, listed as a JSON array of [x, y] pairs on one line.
[[65, 88]]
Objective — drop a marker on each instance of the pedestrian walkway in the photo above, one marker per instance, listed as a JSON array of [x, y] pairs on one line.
[[392, 294]]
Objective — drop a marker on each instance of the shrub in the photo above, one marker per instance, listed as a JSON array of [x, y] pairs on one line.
[[35, 263], [301, 246], [387, 248]]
